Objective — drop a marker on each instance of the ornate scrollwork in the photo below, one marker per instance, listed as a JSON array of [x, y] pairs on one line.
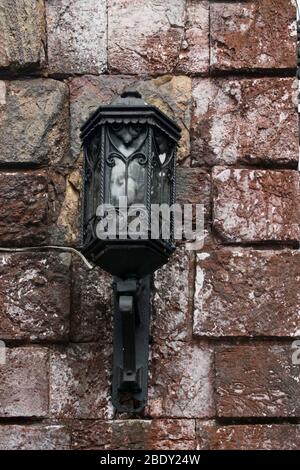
[[126, 142], [110, 159], [127, 138], [141, 158]]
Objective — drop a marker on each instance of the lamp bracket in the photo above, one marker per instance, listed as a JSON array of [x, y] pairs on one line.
[[131, 343]]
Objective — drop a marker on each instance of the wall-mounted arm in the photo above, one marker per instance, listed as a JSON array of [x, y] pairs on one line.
[[131, 343]]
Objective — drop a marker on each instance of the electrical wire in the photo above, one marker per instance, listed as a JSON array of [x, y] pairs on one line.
[[48, 248]]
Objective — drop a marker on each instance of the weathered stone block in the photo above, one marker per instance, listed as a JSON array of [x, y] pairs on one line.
[[247, 293], [39, 207], [79, 385], [247, 437], [24, 383], [65, 207], [171, 434], [172, 316], [256, 205], [34, 120], [24, 208], [22, 34], [253, 34], [193, 186], [182, 381], [77, 36], [34, 296], [249, 121], [157, 434], [152, 46], [194, 54], [104, 435], [91, 318], [256, 380], [34, 437]]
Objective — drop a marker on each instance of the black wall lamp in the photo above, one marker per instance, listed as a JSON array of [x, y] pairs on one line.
[[130, 152]]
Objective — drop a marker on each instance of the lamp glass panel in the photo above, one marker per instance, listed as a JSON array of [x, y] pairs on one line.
[[127, 163], [136, 183], [162, 167], [117, 181]]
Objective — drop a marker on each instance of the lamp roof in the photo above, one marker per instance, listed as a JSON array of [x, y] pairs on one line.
[[130, 107]]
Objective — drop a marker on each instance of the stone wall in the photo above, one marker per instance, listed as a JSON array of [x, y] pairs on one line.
[[224, 318]]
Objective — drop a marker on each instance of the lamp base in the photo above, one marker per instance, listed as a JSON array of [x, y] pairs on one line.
[[129, 258]]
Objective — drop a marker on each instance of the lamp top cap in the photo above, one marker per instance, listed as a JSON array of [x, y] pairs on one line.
[[131, 94], [129, 97]]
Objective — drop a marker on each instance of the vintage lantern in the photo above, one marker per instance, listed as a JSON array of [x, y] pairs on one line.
[[130, 155]]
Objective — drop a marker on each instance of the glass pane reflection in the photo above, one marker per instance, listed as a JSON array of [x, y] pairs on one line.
[[136, 183], [117, 182], [160, 186]]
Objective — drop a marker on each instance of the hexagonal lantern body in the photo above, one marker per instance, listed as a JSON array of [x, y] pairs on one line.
[[130, 152]]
